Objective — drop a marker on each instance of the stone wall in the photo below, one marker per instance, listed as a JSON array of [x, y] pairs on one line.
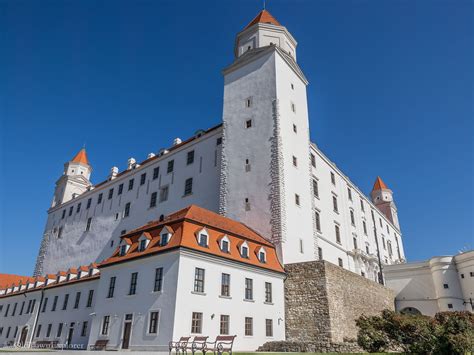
[[323, 301]]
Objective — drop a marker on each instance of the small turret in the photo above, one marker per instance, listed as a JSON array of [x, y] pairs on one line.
[[382, 197], [75, 179]]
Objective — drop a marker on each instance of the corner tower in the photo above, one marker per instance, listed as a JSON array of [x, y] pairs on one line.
[[75, 179], [265, 180], [382, 197]]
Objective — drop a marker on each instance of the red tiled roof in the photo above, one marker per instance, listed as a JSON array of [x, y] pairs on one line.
[[6, 280], [186, 223], [379, 184], [263, 17], [81, 157]]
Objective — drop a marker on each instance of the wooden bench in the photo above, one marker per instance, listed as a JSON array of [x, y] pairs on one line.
[[198, 344], [179, 345], [223, 344], [99, 345]]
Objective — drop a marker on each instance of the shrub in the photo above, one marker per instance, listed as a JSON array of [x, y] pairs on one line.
[[446, 333]]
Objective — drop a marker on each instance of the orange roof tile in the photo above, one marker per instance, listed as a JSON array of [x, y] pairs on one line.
[[7, 280], [263, 17], [81, 157], [379, 184], [186, 223]]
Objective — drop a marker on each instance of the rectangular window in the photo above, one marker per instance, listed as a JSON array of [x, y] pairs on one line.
[[48, 330], [383, 243], [89, 202], [380, 220], [338, 234], [315, 189], [133, 283], [318, 221], [70, 210], [164, 193], [78, 209], [364, 225], [188, 187], [301, 246], [339, 260], [33, 306], [170, 167], [158, 286], [156, 172], [248, 102], [354, 240], [66, 299], [126, 212], [248, 124], [78, 298], [153, 199], [295, 161], [320, 253], [90, 298], [55, 303], [110, 294], [130, 184], [248, 289], [225, 285], [105, 325], [23, 305], [224, 325], [297, 199], [196, 323], [84, 328], [219, 141], [313, 160], [88, 224], [248, 326], [64, 214], [269, 327], [99, 198], [349, 193], [111, 194], [334, 203], [333, 178], [190, 157], [268, 292], [142, 179], [295, 129], [352, 217], [199, 280], [153, 325], [445, 286], [293, 107], [225, 246], [8, 332], [14, 309], [60, 330], [120, 189]]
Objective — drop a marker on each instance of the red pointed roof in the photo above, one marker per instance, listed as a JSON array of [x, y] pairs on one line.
[[81, 157], [263, 17], [379, 184]]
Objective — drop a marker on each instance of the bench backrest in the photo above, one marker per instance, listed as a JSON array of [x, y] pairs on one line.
[[184, 339], [225, 337], [200, 339]]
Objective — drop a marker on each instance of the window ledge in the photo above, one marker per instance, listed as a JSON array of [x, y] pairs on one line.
[[225, 297], [247, 300], [198, 293], [186, 195], [156, 292], [269, 303]]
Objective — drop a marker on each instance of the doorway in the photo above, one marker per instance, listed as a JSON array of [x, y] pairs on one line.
[[127, 330], [24, 333]]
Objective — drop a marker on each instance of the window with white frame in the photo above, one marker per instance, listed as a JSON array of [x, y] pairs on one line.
[[224, 324], [105, 325], [199, 275], [153, 322], [262, 255], [225, 244], [203, 240], [225, 285], [196, 323], [244, 250]]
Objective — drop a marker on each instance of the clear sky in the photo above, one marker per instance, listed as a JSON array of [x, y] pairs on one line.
[[390, 94]]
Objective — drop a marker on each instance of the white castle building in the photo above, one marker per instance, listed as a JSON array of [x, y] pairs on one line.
[[257, 167], [252, 194], [443, 283]]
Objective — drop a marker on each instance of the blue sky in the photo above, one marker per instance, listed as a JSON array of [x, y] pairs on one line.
[[390, 94]]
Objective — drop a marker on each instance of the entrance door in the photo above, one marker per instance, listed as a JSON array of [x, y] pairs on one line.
[[69, 334], [24, 333], [126, 335]]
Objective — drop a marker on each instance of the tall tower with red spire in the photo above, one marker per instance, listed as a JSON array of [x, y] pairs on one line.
[[382, 197], [75, 179]]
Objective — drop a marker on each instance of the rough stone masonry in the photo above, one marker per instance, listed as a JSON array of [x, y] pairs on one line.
[[323, 301]]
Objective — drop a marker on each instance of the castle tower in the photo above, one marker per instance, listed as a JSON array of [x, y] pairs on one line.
[[75, 179], [265, 180], [382, 197]]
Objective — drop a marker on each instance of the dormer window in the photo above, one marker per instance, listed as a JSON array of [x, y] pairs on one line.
[[225, 246], [91, 271], [123, 250], [58, 278], [203, 240], [164, 239], [78, 275], [244, 250], [262, 255], [142, 245]]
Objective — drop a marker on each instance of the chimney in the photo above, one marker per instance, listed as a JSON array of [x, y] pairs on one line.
[[113, 173], [177, 141], [131, 163]]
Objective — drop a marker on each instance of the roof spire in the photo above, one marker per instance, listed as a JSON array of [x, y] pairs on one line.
[[379, 184], [81, 157], [263, 17]]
